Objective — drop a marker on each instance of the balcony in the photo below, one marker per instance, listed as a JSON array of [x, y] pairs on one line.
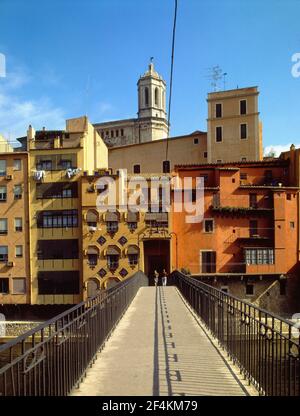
[[156, 219], [231, 206]]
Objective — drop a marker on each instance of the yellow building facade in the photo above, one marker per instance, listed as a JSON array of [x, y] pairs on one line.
[[14, 230], [56, 161], [117, 242]]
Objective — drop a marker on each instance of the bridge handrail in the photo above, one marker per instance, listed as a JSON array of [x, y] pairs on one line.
[[263, 345], [52, 357]]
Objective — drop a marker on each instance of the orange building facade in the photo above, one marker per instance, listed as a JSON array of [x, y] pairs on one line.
[[248, 238]]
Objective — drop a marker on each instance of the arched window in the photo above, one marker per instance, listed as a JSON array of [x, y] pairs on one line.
[[156, 96], [146, 96]]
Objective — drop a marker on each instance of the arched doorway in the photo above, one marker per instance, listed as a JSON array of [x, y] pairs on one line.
[[92, 288]]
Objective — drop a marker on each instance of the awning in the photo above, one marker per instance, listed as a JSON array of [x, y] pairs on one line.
[[92, 216], [132, 217], [112, 251], [133, 250], [92, 250], [112, 216]]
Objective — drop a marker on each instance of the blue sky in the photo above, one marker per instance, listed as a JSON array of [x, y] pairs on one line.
[[65, 58]]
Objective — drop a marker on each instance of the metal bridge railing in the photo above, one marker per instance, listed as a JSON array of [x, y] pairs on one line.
[[51, 359], [264, 346]]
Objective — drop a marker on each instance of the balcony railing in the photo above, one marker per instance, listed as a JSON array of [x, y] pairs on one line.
[[241, 205]]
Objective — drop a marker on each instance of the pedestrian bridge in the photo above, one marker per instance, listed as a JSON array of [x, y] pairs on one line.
[[184, 339]]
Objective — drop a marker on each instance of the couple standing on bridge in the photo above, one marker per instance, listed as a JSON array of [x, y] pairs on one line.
[[163, 279]]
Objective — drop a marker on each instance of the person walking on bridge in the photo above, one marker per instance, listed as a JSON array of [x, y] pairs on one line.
[[156, 276], [164, 277]]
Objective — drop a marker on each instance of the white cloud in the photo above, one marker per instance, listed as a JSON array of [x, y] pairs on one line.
[[16, 113], [278, 148]]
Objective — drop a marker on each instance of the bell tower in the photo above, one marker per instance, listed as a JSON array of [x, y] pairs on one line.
[[152, 94]]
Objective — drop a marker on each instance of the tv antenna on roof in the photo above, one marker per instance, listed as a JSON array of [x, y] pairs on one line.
[[215, 75]]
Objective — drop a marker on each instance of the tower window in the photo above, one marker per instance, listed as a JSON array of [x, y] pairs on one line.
[[156, 96], [196, 141], [219, 134], [218, 110], [243, 107], [243, 131], [146, 96], [166, 166], [136, 168]]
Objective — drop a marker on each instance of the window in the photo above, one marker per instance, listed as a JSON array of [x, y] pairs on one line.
[[65, 164], [244, 159], [253, 228], [205, 155], [218, 110], [289, 197], [2, 167], [17, 164], [18, 224], [19, 251], [166, 166], [219, 160], [156, 96], [57, 219], [132, 226], [4, 285], [3, 253], [92, 259], [44, 165], [56, 190], [117, 133], [58, 282], [219, 134], [112, 133], [122, 132], [282, 287], [18, 191], [19, 286], [57, 249], [196, 141], [243, 176], [146, 96], [208, 226], [3, 226], [136, 168], [249, 289], [243, 107], [253, 200], [243, 131], [292, 224], [259, 255], [208, 262], [112, 262], [112, 226], [3, 193], [133, 259], [225, 289]]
